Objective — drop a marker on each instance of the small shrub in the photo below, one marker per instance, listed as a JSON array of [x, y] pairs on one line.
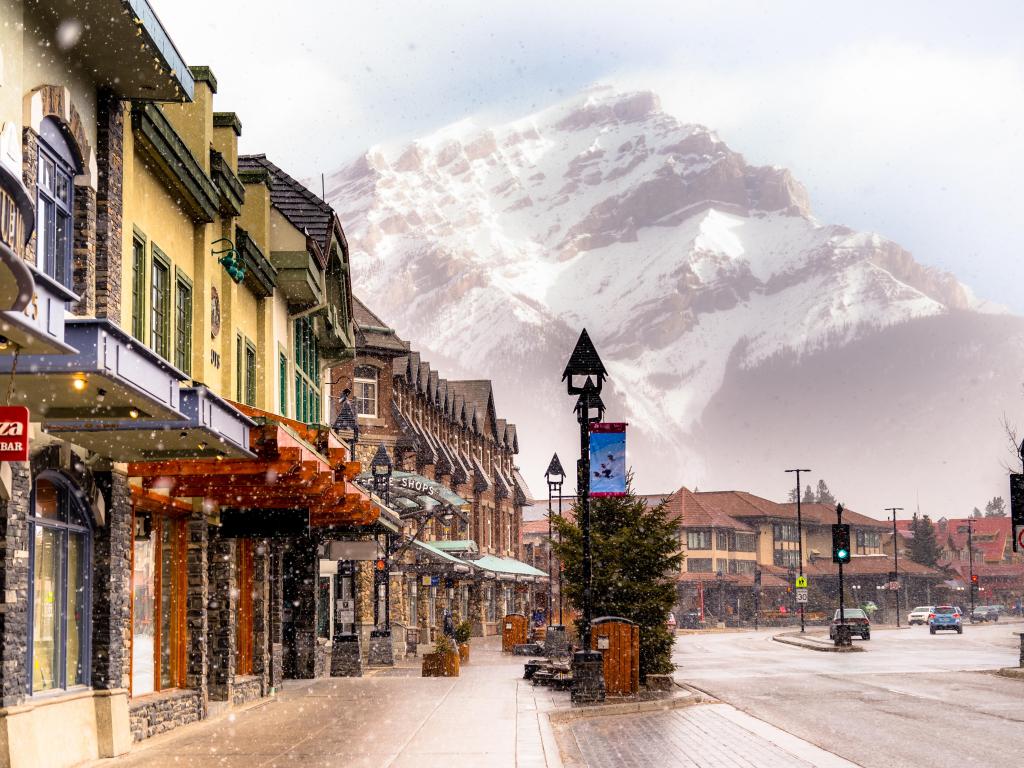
[[444, 644], [463, 631]]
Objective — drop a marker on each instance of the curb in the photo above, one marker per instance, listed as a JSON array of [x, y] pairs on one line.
[[562, 716], [815, 645]]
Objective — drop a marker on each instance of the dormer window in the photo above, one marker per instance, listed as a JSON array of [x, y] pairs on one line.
[[365, 389]]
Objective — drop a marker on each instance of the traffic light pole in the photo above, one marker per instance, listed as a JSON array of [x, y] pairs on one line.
[[799, 536], [896, 560], [843, 637]]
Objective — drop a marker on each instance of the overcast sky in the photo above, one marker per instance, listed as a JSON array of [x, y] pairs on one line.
[[903, 118]]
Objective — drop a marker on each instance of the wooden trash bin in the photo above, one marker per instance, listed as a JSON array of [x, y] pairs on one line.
[[514, 630], [618, 640]]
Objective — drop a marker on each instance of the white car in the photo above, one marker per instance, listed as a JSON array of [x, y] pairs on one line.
[[920, 614]]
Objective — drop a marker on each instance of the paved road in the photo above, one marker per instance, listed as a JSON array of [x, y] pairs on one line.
[[902, 703]]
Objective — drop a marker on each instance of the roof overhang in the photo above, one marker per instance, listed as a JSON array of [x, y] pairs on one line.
[[106, 377], [127, 49], [212, 429]]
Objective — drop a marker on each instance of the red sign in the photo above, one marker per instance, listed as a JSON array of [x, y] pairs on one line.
[[13, 433]]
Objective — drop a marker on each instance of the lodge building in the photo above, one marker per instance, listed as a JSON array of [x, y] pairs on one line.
[[186, 521]]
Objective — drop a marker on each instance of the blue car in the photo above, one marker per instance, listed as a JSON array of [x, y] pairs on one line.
[[945, 617]]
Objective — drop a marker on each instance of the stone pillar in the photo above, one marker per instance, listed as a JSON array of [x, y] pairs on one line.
[[83, 256], [299, 582], [111, 585], [14, 576], [276, 606], [197, 597], [29, 176], [261, 622], [477, 612], [109, 206], [221, 615]]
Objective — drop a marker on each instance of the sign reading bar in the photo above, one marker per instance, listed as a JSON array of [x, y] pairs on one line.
[[13, 433], [1017, 511], [607, 460]]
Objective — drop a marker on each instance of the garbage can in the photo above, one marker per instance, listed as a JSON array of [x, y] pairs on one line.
[[618, 640], [514, 629], [412, 640]]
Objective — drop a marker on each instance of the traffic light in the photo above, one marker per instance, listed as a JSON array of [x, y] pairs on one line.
[[841, 543], [974, 579], [380, 564]]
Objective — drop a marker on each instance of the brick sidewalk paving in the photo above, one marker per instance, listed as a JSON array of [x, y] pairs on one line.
[[702, 736], [488, 716]]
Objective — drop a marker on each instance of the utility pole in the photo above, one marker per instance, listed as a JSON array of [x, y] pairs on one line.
[[799, 535], [896, 560], [970, 557]]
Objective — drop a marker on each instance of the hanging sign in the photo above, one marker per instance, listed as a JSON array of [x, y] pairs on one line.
[[607, 460], [13, 433]]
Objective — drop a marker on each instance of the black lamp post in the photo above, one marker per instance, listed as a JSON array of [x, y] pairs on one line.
[[584, 375], [895, 561], [380, 468], [555, 475]]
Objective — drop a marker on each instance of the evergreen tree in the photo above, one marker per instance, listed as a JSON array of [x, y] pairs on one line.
[[793, 494], [808, 495], [924, 548], [825, 495], [976, 514], [635, 561], [996, 507]]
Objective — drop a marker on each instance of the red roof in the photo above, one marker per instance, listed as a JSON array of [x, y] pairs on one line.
[[825, 514], [535, 527], [686, 507], [869, 565], [990, 535]]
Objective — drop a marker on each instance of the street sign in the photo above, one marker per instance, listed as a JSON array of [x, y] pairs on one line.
[[1017, 511], [13, 433], [894, 585], [346, 611], [801, 583], [801, 594]]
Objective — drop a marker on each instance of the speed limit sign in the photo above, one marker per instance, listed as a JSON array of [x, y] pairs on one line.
[[801, 595]]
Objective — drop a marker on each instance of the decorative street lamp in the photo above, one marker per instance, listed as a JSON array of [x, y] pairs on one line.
[[347, 420], [380, 468], [555, 475], [584, 376]]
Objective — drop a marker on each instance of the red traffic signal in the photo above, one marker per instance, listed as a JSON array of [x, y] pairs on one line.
[[974, 578], [379, 565]]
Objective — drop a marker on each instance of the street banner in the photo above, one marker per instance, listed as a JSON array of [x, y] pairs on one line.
[[1017, 511], [607, 460], [13, 433]]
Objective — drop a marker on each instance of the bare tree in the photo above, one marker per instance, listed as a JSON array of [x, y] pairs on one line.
[[1014, 446]]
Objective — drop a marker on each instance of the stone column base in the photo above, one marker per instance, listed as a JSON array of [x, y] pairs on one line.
[[346, 661], [587, 678], [382, 652]]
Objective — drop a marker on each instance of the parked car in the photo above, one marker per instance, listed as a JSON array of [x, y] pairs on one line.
[[690, 620], [946, 617], [856, 619], [919, 615], [985, 613]]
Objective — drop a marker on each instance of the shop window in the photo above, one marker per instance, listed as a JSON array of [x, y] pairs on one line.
[[464, 602], [365, 385], [183, 324], [158, 603], [432, 605], [244, 607], [139, 287], [492, 604], [160, 305], [59, 553], [413, 607], [54, 203]]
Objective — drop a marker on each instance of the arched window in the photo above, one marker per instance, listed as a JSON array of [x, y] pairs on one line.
[[59, 560], [365, 386], [55, 202]]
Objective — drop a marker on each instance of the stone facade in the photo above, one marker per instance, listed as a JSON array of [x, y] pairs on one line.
[[109, 206], [111, 579], [220, 612], [246, 689], [163, 712], [83, 256], [14, 587]]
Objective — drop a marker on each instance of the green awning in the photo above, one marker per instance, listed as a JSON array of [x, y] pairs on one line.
[[430, 549], [507, 566], [466, 545]]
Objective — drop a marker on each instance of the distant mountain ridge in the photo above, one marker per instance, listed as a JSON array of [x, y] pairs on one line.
[[490, 247]]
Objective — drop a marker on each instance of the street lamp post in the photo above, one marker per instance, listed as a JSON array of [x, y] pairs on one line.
[[896, 560], [380, 467], [554, 476], [799, 535], [585, 375]]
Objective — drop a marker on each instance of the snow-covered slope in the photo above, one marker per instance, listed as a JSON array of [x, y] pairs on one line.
[[491, 247]]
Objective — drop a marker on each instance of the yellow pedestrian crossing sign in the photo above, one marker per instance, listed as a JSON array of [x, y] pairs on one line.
[[801, 582]]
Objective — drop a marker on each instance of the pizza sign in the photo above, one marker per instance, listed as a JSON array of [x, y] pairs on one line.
[[13, 433]]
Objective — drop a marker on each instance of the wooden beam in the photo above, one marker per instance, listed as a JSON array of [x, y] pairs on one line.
[[201, 467]]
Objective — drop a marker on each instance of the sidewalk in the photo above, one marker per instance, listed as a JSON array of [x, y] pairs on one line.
[[489, 716]]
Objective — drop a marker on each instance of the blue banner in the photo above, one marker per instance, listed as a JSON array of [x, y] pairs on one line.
[[607, 460]]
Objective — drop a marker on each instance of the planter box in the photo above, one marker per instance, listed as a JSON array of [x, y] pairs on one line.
[[440, 665], [464, 653]]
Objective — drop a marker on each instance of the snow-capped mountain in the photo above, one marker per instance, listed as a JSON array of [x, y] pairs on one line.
[[709, 288]]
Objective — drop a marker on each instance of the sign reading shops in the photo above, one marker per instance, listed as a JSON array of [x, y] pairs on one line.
[[13, 433]]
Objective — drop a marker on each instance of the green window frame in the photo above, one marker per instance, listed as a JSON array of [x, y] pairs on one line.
[[183, 324], [160, 304], [139, 286], [239, 380], [307, 372], [250, 373], [282, 370]]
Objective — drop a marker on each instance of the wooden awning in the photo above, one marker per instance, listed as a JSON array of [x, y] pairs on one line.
[[297, 467]]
